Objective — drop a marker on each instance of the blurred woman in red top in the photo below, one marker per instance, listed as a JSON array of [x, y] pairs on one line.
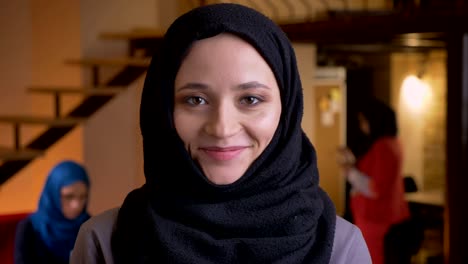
[[377, 191]]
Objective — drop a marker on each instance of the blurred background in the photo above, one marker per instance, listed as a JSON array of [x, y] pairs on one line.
[[71, 74]]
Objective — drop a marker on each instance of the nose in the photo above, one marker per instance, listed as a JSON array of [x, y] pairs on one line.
[[75, 204], [223, 121]]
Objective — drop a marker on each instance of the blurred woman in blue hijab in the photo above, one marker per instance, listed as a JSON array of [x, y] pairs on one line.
[[48, 235]]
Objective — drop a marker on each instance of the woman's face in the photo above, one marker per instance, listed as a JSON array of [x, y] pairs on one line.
[[73, 199], [364, 124], [227, 106]]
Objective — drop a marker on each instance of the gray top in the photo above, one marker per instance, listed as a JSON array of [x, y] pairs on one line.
[[92, 245]]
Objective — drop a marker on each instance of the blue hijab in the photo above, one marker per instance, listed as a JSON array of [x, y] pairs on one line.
[[57, 232]]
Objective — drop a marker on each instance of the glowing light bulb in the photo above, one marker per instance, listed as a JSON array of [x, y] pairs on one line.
[[416, 93]]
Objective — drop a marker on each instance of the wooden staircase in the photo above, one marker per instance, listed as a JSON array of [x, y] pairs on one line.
[[142, 44]]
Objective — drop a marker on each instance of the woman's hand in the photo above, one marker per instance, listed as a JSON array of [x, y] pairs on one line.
[[345, 158]]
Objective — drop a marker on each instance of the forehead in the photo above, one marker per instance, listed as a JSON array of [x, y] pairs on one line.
[[222, 44], [76, 187], [222, 53]]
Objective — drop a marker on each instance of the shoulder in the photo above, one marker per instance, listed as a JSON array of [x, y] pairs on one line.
[[26, 244], [99, 227], [102, 222], [93, 244], [386, 142], [24, 223], [384, 148], [349, 245], [24, 229]]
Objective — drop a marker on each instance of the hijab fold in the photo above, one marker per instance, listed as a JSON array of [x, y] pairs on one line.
[[275, 213], [58, 232]]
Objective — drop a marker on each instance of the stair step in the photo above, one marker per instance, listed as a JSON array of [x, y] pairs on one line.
[[142, 33], [129, 61], [99, 90], [22, 154], [57, 122]]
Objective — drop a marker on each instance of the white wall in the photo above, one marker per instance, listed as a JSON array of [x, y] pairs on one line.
[[423, 130], [331, 179], [112, 148], [410, 124], [15, 65], [111, 16], [37, 36], [306, 54]]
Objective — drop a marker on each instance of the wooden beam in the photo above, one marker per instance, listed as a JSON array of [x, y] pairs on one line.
[[456, 229], [381, 28], [7, 154], [142, 33], [103, 90], [35, 120], [90, 62]]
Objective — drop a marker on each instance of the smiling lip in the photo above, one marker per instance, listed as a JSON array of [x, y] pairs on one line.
[[223, 154]]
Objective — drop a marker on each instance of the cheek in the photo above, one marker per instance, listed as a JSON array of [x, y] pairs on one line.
[[184, 125], [263, 128], [82, 205]]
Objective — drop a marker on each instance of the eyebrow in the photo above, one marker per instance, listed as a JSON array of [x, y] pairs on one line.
[[254, 84], [243, 86], [190, 86]]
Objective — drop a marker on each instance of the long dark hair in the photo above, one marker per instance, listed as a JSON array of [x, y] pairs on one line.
[[382, 122], [381, 118]]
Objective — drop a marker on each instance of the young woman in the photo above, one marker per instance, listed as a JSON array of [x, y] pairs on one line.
[[48, 235], [377, 194], [230, 175]]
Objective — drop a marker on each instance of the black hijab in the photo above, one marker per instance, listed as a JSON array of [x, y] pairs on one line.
[[276, 212]]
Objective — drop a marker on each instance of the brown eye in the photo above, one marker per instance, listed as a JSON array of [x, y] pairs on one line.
[[195, 100], [70, 197], [250, 100]]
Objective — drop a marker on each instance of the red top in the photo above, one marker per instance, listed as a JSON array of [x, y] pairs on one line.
[[383, 164], [7, 235]]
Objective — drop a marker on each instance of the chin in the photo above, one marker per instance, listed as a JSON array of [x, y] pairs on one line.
[[71, 217], [222, 174], [226, 179]]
